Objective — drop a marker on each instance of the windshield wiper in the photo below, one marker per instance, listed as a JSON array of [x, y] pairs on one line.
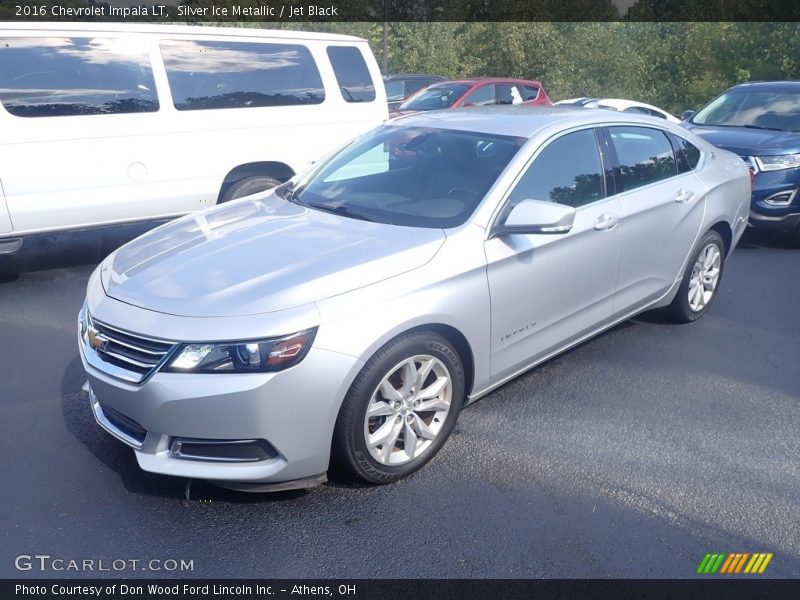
[[289, 192], [762, 127], [341, 209]]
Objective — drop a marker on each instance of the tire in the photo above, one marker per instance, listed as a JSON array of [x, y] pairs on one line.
[[429, 417], [248, 186], [705, 269]]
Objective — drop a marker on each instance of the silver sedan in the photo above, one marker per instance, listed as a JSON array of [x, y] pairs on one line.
[[351, 313]]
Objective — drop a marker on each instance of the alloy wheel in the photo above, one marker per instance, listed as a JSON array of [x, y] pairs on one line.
[[407, 410], [705, 276]]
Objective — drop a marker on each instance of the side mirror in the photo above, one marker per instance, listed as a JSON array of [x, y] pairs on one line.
[[687, 114], [536, 216]]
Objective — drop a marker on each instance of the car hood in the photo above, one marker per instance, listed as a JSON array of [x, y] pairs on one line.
[[260, 255], [749, 142]]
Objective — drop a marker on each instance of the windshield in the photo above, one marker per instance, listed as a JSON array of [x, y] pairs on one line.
[[778, 110], [411, 176], [435, 97]]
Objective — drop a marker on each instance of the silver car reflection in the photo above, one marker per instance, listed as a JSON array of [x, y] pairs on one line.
[[351, 313]]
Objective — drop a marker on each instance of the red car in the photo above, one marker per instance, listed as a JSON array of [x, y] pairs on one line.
[[475, 92]]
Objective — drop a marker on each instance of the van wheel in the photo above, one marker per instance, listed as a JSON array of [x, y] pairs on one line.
[[248, 186], [400, 409], [700, 280]]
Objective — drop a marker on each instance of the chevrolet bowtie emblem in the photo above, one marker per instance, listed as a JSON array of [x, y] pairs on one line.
[[96, 340]]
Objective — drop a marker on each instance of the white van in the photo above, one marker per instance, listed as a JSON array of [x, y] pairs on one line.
[[111, 123]]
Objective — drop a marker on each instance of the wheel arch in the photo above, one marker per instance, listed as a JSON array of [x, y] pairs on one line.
[[276, 169], [724, 229], [461, 345], [452, 334]]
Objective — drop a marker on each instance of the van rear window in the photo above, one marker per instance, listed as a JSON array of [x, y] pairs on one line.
[[207, 75], [352, 74], [57, 76]]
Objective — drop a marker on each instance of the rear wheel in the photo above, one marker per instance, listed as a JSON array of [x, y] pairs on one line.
[[700, 280], [248, 186], [401, 408]]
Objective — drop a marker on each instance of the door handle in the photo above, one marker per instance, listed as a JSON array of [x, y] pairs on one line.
[[683, 196], [606, 221]]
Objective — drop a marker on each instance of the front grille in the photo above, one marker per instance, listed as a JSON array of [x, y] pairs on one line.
[[128, 351]]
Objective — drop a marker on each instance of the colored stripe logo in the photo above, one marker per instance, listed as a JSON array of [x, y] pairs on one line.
[[734, 563]]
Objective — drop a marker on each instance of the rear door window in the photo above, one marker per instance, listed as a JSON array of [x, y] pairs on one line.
[[530, 92], [209, 74], [641, 110], [352, 74], [58, 76], [645, 156], [687, 154]]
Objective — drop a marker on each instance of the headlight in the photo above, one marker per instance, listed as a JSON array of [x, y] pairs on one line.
[[256, 356], [776, 163]]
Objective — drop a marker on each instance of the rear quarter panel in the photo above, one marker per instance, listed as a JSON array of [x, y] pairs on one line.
[[727, 178]]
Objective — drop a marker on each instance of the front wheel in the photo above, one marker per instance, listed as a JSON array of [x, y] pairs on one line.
[[400, 409], [700, 280]]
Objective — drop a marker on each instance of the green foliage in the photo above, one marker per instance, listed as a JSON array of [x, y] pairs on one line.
[[672, 65]]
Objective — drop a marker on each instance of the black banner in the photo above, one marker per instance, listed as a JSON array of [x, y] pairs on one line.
[[495, 589], [287, 11]]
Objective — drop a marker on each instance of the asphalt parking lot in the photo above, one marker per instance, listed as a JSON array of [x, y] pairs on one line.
[[633, 455]]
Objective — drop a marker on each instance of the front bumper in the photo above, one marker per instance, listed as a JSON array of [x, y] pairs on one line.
[[291, 412], [775, 204]]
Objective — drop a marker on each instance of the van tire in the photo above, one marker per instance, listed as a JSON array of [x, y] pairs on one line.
[[248, 186]]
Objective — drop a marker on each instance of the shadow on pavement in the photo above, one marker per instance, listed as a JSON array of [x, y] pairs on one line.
[[119, 458], [754, 239], [60, 250]]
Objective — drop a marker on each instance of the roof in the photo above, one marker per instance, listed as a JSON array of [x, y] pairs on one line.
[[414, 76], [477, 80], [104, 27], [519, 120], [787, 85]]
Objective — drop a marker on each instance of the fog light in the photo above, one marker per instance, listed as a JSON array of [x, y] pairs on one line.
[[222, 450]]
